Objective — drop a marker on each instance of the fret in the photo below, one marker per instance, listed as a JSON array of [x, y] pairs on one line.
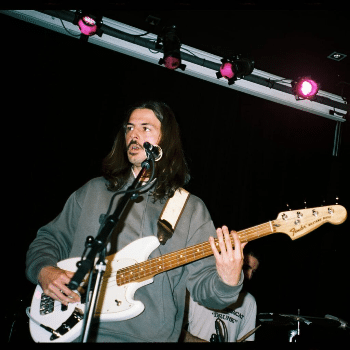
[[129, 275], [149, 267], [142, 271], [170, 261], [160, 265], [181, 258], [152, 267], [197, 252]]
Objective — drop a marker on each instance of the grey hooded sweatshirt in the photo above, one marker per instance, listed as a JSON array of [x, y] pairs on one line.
[[164, 299]]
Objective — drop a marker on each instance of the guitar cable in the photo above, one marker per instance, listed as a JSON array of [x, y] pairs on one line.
[[37, 322], [47, 328], [65, 327]]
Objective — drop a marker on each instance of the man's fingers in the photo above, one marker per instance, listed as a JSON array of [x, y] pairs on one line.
[[213, 247], [53, 280], [236, 241], [66, 295], [229, 260], [228, 250], [69, 274]]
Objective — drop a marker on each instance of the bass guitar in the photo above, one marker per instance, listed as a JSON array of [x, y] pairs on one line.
[[129, 269]]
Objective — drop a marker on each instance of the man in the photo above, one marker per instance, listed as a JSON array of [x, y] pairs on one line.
[[214, 281], [230, 324]]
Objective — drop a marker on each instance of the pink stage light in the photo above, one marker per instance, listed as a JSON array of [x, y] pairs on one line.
[[305, 88], [87, 25], [169, 42], [235, 67], [171, 62], [227, 70]]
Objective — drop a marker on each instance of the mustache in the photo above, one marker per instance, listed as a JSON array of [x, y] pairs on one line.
[[134, 142]]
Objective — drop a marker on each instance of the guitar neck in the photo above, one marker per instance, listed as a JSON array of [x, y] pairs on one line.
[[149, 268]]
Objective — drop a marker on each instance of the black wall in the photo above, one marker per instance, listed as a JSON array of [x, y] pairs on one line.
[[62, 102]]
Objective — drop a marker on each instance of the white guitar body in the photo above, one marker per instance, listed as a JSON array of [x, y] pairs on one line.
[[115, 303]]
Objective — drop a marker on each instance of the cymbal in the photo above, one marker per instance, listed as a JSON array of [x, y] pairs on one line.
[[288, 320]]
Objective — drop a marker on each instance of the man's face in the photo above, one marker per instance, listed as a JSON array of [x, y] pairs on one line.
[[143, 126], [250, 266]]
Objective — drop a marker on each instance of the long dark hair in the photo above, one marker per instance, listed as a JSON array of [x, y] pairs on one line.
[[171, 170]]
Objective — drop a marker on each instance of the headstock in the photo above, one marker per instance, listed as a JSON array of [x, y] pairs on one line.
[[297, 223]]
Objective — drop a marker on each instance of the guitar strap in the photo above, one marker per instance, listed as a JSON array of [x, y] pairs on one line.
[[171, 214]]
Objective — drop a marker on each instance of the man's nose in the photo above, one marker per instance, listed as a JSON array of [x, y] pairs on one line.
[[135, 135]]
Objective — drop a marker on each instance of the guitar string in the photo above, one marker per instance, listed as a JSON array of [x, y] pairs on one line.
[[246, 234], [173, 257], [133, 271], [190, 253], [190, 250], [189, 256]]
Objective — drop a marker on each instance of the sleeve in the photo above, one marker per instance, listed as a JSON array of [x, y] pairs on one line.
[[201, 322], [203, 282], [249, 320], [53, 241]]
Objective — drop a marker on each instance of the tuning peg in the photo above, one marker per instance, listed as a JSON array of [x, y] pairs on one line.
[[305, 203], [323, 203], [336, 200], [287, 205]]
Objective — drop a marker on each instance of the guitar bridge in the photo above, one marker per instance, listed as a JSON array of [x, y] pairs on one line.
[[66, 326]]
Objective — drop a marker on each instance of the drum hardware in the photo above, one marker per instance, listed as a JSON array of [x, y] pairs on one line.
[[343, 324], [293, 322]]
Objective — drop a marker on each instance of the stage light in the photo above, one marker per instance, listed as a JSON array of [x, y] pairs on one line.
[[88, 23], [305, 88], [234, 68], [170, 43]]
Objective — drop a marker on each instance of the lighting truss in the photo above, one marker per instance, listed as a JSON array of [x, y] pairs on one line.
[[203, 65]]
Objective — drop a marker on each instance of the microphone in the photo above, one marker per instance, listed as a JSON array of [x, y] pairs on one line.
[[153, 151]]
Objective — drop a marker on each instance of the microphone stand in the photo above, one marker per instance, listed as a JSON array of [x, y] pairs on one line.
[[98, 246]]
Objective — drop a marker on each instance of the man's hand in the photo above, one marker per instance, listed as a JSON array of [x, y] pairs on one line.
[[53, 281], [229, 261]]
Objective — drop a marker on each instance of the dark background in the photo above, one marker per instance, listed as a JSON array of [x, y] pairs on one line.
[[62, 103]]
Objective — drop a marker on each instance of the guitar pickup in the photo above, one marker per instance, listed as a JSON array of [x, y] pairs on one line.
[[46, 304]]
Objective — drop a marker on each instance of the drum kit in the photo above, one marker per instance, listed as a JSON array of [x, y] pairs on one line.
[[297, 328]]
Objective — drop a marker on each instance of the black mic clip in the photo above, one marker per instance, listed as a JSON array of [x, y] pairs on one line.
[[152, 151]]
